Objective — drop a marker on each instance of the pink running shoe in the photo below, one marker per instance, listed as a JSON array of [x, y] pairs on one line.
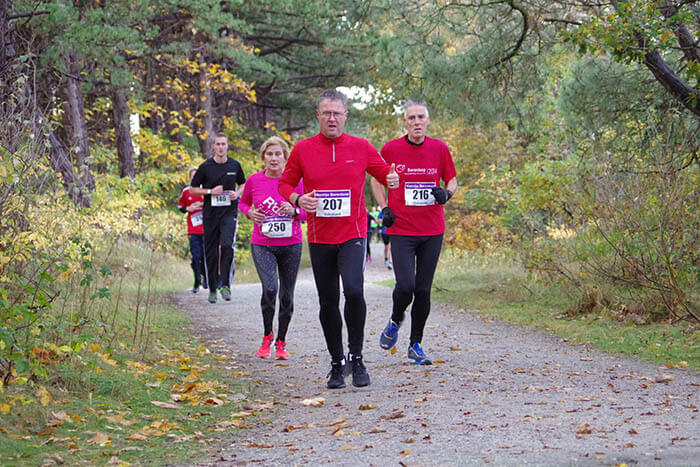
[[264, 349], [280, 353]]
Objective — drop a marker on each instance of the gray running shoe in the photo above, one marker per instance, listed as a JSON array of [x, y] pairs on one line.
[[212, 296], [415, 353], [226, 293]]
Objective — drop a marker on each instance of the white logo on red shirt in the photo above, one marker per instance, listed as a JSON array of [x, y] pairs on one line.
[[412, 171]]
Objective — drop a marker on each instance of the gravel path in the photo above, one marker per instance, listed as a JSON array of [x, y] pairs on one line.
[[498, 394]]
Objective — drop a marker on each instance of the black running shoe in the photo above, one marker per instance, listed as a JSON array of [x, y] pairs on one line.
[[336, 377], [360, 377]]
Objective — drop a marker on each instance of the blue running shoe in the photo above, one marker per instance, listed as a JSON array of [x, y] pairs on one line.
[[415, 353], [389, 336]]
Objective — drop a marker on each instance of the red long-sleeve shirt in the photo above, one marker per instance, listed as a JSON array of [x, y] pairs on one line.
[[334, 164]]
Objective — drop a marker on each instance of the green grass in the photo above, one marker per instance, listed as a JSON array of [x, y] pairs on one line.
[[499, 288], [98, 396]]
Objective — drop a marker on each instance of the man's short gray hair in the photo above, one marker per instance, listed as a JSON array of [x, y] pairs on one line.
[[412, 103], [332, 95]]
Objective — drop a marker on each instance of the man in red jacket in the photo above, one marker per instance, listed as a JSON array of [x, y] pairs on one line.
[[333, 166], [415, 220]]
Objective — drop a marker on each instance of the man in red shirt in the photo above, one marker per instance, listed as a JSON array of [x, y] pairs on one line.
[[415, 220], [333, 166], [192, 205]]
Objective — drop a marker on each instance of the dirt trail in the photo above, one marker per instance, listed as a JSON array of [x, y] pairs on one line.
[[502, 395]]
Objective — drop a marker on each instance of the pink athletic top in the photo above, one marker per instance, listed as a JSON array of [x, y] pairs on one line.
[[262, 192], [335, 170], [420, 166]]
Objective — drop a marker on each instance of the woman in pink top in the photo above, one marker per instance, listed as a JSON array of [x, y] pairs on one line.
[[275, 243]]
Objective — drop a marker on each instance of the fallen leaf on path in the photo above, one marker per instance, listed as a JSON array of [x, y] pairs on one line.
[[229, 423], [368, 407], [138, 436], [259, 406], [664, 379], [586, 359], [376, 430], [392, 416], [258, 445], [289, 428], [455, 348], [437, 362], [165, 405], [393, 350], [348, 447], [314, 402], [405, 452]]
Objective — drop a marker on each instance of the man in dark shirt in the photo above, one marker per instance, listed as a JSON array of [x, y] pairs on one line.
[[217, 179]]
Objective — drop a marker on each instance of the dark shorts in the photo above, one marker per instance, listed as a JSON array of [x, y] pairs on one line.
[[386, 238]]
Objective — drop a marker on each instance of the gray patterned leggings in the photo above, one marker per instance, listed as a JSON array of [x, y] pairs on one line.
[[268, 261]]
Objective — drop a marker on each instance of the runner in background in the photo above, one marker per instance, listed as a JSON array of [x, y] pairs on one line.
[[333, 165], [415, 220], [387, 243], [192, 205], [217, 179], [275, 243], [370, 231]]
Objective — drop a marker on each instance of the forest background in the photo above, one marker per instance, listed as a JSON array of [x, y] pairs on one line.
[[573, 124]]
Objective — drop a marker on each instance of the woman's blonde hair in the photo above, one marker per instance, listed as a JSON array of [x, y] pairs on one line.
[[274, 140]]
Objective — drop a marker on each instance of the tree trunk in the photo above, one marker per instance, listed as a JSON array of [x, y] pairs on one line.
[[678, 88], [125, 150], [61, 163], [173, 105], [206, 107], [75, 116], [4, 36]]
